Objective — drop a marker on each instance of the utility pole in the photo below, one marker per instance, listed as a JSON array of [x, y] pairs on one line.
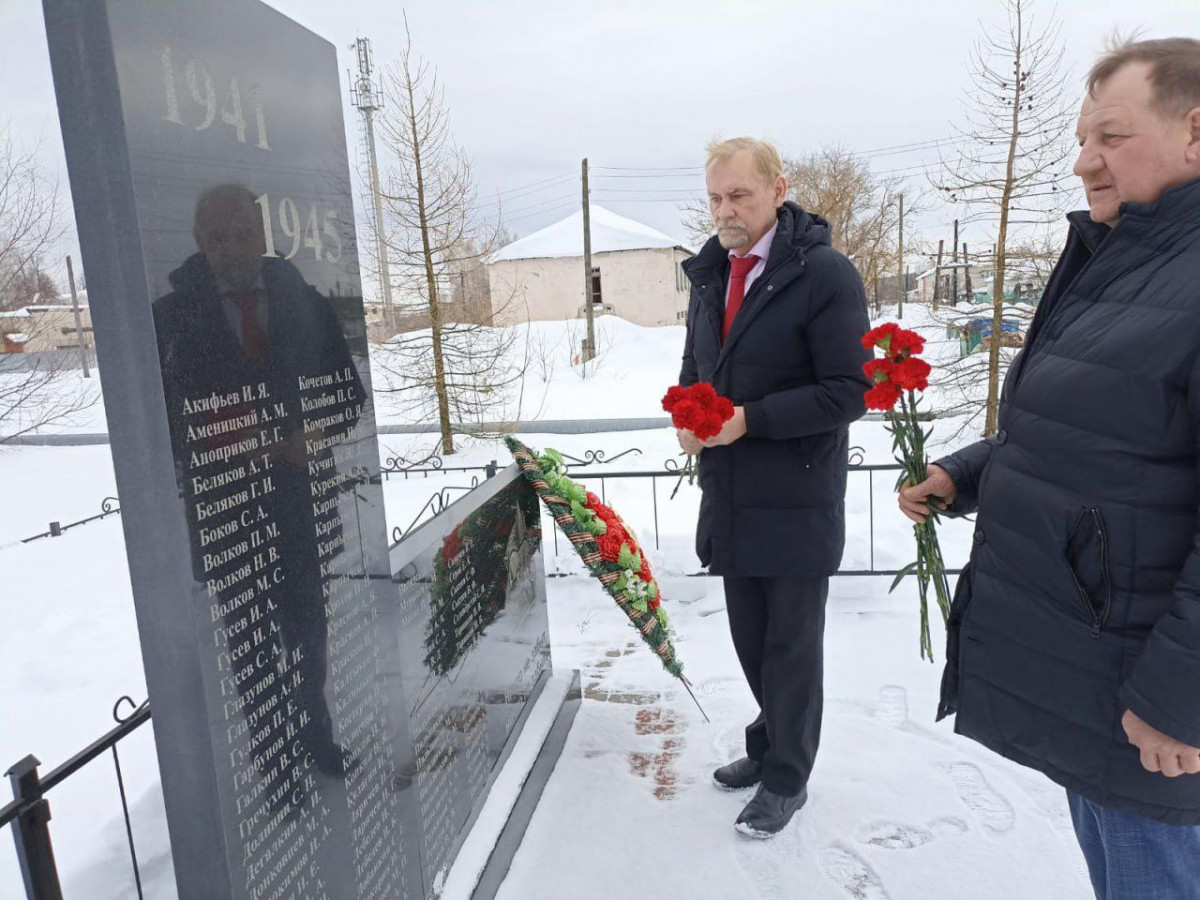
[[937, 276], [368, 100], [967, 273], [901, 281], [589, 349], [954, 296], [83, 354]]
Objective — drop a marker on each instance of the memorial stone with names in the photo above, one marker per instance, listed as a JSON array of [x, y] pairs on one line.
[[329, 713]]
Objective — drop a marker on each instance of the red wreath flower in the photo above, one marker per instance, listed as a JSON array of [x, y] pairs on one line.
[[451, 545]]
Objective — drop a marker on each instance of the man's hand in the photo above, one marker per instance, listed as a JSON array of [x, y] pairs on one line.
[[688, 442], [734, 429], [915, 499], [1160, 752]]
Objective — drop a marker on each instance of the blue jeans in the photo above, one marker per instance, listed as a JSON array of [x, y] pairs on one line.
[[1132, 858]]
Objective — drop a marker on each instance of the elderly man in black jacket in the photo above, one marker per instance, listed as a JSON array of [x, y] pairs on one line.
[[1074, 645], [775, 322]]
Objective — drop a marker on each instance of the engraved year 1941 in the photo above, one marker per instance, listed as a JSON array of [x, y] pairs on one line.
[[204, 94]]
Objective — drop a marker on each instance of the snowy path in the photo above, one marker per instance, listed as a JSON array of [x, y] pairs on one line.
[[900, 808]]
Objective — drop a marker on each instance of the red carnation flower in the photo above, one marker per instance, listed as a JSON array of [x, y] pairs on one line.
[[906, 343], [880, 337], [912, 374], [674, 396], [698, 409], [883, 396], [878, 370]]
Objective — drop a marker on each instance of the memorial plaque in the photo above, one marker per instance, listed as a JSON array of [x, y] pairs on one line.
[[326, 724], [475, 648]]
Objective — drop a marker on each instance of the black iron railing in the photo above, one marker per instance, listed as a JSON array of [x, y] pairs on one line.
[[29, 811], [110, 506]]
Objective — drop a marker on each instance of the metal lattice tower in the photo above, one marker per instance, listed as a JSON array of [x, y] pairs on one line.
[[368, 99]]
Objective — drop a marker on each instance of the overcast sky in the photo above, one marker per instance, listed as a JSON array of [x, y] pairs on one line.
[[533, 87]]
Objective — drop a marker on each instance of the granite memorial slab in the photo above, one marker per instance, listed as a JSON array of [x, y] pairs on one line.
[[328, 711]]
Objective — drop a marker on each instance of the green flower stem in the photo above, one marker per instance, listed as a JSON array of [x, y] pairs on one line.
[[909, 442]]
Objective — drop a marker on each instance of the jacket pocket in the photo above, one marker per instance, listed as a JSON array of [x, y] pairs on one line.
[[812, 448], [948, 704], [802, 447], [1087, 560]]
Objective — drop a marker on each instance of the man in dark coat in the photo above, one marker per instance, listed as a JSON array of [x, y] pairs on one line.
[[775, 323], [1074, 645]]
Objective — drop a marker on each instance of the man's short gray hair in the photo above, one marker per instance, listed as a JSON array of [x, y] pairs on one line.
[[766, 158], [1174, 70]]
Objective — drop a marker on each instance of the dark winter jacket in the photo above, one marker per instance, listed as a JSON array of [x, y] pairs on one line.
[[1082, 598], [773, 502]]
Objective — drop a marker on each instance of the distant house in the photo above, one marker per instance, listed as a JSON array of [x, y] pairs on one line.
[[1022, 284], [636, 273], [36, 329]]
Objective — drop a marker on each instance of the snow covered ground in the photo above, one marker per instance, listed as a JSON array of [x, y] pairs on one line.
[[900, 807]]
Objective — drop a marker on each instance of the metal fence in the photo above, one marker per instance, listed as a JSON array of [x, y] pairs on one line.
[[108, 507], [29, 811], [585, 468]]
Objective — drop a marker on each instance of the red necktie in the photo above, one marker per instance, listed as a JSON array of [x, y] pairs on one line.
[[739, 268], [254, 339]]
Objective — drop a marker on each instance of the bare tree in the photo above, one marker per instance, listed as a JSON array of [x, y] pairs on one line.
[[447, 362], [1010, 165], [30, 223], [861, 207], [40, 387]]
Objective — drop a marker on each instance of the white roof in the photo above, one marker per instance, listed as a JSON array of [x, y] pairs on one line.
[[610, 232], [17, 338], [16, 314]]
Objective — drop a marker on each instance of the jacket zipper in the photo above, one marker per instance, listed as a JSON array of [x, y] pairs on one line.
[[1097, 618]]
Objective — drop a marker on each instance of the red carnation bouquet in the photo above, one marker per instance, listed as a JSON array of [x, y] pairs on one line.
[[897, 378], [700, 410]]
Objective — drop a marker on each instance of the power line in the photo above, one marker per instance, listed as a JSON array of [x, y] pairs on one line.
[[689, 191], [561, 207], [647, 176], [540, 204], [528, 190], [650, 168]]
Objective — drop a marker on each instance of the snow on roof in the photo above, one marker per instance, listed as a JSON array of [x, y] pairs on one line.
[[610, 232], [16, 314], [17, 337]]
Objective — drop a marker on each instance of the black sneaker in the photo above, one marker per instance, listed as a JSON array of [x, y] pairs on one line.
[[767, 814], [739, 774]]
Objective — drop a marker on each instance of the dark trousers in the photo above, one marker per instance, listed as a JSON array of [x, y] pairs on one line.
[[778, 628]]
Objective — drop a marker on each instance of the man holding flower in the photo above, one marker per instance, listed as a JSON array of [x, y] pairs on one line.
[[775, 322], [1074, 640]]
